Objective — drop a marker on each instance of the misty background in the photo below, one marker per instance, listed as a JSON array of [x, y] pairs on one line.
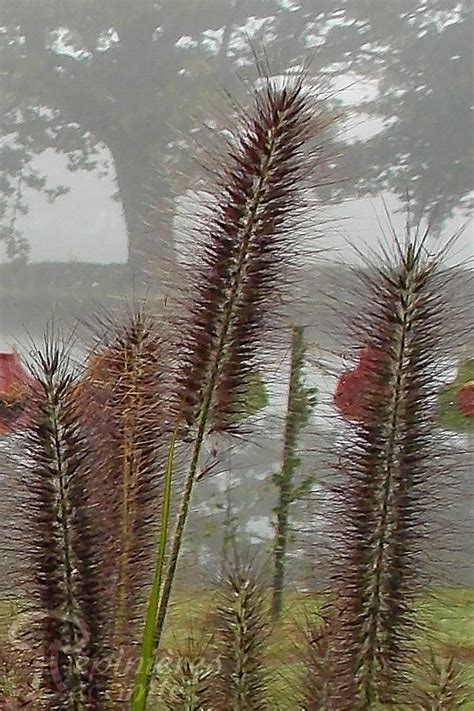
[[105, 109]]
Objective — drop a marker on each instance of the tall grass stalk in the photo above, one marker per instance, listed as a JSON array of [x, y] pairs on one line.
[[246, 243], [242, 622], [147, 656], [70, 605], [387, 469], [299, 404], [122, 394]]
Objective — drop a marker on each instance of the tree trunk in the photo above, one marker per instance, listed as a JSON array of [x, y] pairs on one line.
[[148, 212]]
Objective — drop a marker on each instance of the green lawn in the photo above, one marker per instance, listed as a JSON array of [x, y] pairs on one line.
[[447, 613]]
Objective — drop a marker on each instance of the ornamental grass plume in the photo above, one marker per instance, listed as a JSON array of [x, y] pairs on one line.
[[388, 468], [187, 678], [247, 242], [440, 685], [242, 632], [63, 565], [315, 680], [123, 397], [247, 245], [258, 192]]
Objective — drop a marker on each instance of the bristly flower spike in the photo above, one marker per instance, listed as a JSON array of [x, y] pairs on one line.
[[247, 242], [243, 624], [122, 393], [60, 535], [387, 469]]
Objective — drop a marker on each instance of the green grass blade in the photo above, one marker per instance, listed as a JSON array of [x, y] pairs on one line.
[[147, 657]]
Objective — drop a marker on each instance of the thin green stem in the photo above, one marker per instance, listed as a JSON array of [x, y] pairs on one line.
[[284, 480], [147, 657]]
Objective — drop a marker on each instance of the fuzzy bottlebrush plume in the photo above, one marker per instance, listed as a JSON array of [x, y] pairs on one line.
[[440, 685], [122, 394], [186, 679], [248, 241], [388, 468], [315, 684], [69, 602], [242, 630]]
